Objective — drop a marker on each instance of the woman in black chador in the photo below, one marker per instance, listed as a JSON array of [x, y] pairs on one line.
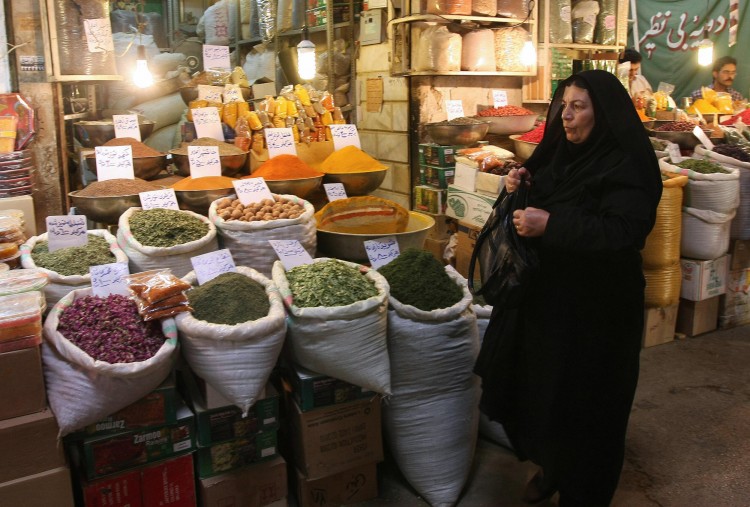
[[560, 367]]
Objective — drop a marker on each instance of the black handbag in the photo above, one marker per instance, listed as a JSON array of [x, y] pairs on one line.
[[505, 259]]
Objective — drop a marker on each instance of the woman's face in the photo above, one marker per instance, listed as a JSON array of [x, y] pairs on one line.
[[577, 114]]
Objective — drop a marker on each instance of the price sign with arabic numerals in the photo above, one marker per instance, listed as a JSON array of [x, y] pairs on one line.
[[207, 123], [454, 109], [210, 93], [280, 141], [335, 191], [209, 266], [344, 135], [107, 279], [98, 35], [703, 138], [291, 252], [674, 153], [250, 190], [381, 251], [114, 162], [126, 125], [165, 199], [64, 231], [232, 93], [499, 98], [216, 57], [204, 161]]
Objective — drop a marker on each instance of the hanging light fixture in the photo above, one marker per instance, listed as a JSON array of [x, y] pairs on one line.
[[528, 53], [306, 59], [142, 77], [705, 52]]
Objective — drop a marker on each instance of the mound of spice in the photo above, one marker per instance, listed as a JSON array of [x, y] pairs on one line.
[[230, 298], [165, 228], [204, 183], [702, 166], [139, 149], [224, 148], [658, 144], [328, 283], [110, 329], [73, 260], [676, 126], [117, 187], [505, 111], [533, 136], [233, 209], [284, 167], [350, 159], [733, 150], [418, 279]]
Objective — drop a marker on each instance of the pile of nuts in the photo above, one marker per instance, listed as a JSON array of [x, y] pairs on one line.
[[267, 209]]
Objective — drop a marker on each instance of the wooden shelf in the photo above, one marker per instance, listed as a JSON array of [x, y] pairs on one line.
[[450, 18]]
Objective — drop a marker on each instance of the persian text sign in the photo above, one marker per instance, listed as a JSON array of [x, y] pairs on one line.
[[107, 279], [344, 135], [209, 266], [114, 162], [291, 252], [381, 251], [126, 125], [64, 231], [204, 161]]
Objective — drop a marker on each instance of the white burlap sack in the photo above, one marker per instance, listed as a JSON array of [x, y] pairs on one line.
[[716, 192], [82, 390], [163, 111], [705, 233], [58, 285], [343, 342], [176, 258], [431, 420], [236, 360], [248, 241]]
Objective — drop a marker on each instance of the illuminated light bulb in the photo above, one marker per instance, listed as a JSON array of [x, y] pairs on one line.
[[528, 54], [142, 77], [306, 60], [705, 52]]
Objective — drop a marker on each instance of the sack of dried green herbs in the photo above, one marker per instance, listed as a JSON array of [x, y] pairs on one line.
[[67, 269], [99, 356], [711, 186], [236, 357], [337, 320], [164, 238]]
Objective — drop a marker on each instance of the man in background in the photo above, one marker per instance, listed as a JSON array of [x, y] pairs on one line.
[[638, 83], [724, 72]]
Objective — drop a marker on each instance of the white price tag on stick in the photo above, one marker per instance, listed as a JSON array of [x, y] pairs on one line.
[[126, 125], [216, 57], [204, 161], [107, 279], [209, 266], [210, 93], [499, 98], [381, 251], [280, 141], [454, 109], [291, 252], [703, 138], [344, 135], [207, 123], [114, 162], [250, 190], [674, 153], [335, 191], [64, 231], [165, 199]]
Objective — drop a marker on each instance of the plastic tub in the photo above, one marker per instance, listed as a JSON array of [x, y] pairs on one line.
[[21, 163], [20, 316], [15, 155], [22, 280], [13, 192], [14, 183], [15, 173]]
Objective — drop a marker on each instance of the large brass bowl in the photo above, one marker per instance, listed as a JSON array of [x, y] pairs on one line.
[[95, 133], [190, 93], [522, 149], [350, 247], [686, 140], [357, 183], [198, 201], [457, 135], [231, 165], [144, 168], [104, 210], [510, 124], [300, 187]]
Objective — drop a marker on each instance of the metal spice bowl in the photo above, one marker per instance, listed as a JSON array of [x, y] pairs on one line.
[[144, 168], [231, 165], [104, 210], [301, 187], [357, 183], [198, 201], [95, 133], [457, 134]]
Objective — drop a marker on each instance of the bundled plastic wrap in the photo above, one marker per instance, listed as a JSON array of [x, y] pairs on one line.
[[508, 44], [583, 17], [249, 19], [266, 19], [478, 51], [219, 24], [484, 7], [518, 9], [438, 50], [284, 15], [72, 44], [260, 62], [606, 23], [560, 25]]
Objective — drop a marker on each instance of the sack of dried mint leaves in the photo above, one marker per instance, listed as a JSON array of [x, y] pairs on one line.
[[158, 293]]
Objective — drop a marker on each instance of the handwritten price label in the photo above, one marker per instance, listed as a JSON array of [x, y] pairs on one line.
[[674, 153], [165, 199], [291, 252], [114, 162], [209, 266], [210, 93], [250, 190], [98, 35], [335, 191], [703, 138], [65, 231], [107, 279], [126, 125], [499, 98], [344, 135], [232, 93], [207, 123], [381, 251], [204, 161], [216, 57], [280, 141], [454, 109]]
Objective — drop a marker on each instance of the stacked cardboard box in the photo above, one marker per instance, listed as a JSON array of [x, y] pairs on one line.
[[335, 436], [703, 282], [734, 304], [437, 169]]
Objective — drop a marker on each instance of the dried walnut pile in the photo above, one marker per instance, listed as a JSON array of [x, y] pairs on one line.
[[267, 209]]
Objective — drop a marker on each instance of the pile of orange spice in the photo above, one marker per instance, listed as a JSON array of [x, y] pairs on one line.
[[284, 167], [350, 159], [205, 183]]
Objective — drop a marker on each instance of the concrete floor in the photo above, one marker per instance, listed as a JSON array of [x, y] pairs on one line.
[[688, 442]]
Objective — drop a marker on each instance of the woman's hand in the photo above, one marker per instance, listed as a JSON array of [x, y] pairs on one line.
[[513, 179], [530, 222]]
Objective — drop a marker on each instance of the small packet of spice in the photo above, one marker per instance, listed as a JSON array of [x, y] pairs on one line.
[[166, 312], [156, 285], [177, 300]]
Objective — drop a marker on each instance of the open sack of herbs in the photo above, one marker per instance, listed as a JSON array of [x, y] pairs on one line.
[[433, 344], [164, 238], [246, 229], [235, 334], [68, 268], [337, 320]]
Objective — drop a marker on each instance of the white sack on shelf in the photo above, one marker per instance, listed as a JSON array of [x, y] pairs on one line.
[[164, 138], [218, 24], [82, 390], [438, 50], [478, 51], [584, 15], [163, 111], [260, 62], [236, 360]]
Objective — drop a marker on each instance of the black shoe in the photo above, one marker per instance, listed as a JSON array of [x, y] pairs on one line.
[[537, 489]]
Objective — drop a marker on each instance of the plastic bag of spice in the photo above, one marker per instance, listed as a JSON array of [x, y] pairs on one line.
[[435, 394], [176, 258], [82, 390], [236, 360], [344, 342], [60, 284], [249, 241]]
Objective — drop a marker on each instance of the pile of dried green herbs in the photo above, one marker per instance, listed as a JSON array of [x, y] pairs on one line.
[[230, 298], [328, 283], [73, 260], [165, 228]]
